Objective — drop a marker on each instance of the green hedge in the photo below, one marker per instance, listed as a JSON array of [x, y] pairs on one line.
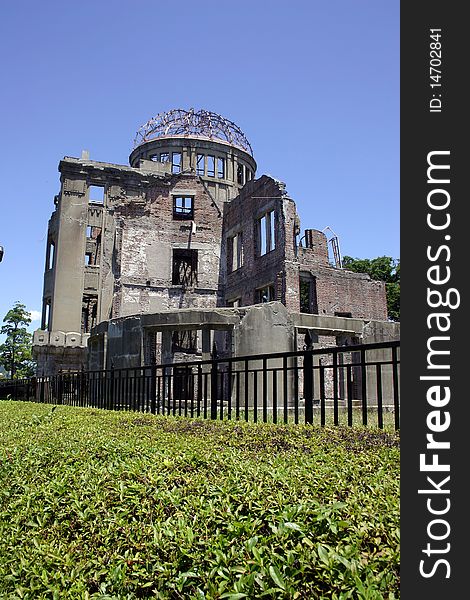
[[97, 504]]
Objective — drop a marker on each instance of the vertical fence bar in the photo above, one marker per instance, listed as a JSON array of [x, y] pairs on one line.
[[222, 387], [265, 390], [274, 395], [229, 389], [214, 389], [153, 389], [322, 395], [396, 398], [335, 387], [308, 387], [364, 386], [199, 390], [237, 395], [171, 391], [296, 390], [191, 387], [255, 395], [380, 420], [247, 384], [60, 390], [158, 398], [350, 393], [284, 387], [206, 384]]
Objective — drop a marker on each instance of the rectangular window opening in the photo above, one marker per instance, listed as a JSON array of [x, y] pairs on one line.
[[235, 252], [265, 294], [96, 194], [184, 341], [200, 164], [184, 271], [183, 207], [89, 312], [265, 233], [221, 168], [46, 315], [164, 157], [211, 166], [88, 258], [176, 162], [240, 174], [263, 240], [50, 255], [92, 232], [305, 303]]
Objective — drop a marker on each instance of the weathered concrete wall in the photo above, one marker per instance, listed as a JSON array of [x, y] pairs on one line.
[[56, 351]]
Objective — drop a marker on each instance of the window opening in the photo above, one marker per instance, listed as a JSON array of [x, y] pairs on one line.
[[272, 233], [263, 241], [184, 268], [266, 235], [46, 315], [308, 295], [235, 252], [200, 164], [164, 157], [265, 294], [221, 168], [89, 312], [184, 341], [96, 194], [176, 162], [304, 296], [211, 166], [50, 255], [154, 157], [240, 178], [183, 207], [88, 258]]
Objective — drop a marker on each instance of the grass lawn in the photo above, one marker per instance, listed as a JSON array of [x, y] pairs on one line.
[[105, 505]]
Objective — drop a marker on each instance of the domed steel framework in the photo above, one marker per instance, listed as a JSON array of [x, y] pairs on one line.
[[192, 123]]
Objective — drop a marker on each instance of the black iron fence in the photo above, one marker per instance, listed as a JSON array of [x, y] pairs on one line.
[[339, 385]]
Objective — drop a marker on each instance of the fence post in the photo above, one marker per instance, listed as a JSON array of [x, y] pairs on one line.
[[153, 389], [59, 388], [214, 382], [41, 388], [308, 387], [308, 378]]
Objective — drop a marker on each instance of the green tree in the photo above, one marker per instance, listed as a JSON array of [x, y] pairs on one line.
[[15, 352], [383, 268]]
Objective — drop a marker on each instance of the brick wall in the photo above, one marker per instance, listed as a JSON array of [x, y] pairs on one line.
[[242, 214], [150, 233]]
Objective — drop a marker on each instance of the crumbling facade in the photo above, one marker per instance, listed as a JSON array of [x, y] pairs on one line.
[[186, 226]]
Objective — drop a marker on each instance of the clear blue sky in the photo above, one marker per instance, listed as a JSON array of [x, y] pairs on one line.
[[313, 84]]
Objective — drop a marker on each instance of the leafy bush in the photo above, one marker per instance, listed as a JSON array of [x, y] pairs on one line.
[[97, 504]]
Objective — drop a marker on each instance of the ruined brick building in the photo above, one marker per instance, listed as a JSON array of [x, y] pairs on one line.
[[185, 247]]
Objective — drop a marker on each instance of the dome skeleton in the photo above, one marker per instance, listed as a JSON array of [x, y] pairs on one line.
[[191, 123]]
